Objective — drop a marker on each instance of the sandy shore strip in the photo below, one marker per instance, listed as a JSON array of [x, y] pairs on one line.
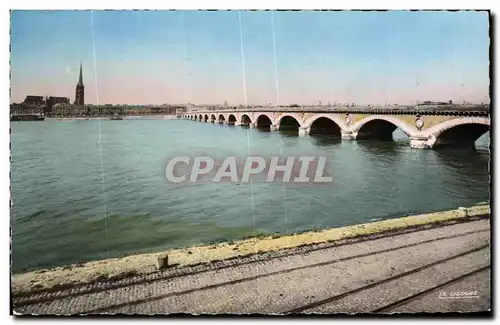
[[44, 279]]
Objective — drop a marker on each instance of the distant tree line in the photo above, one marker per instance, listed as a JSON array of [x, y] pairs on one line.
[[63, 109]]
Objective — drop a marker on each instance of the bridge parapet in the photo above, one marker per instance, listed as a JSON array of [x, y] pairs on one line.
[[467, 110], [425, 128]]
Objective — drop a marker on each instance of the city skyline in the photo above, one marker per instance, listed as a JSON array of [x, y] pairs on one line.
[[157, 57]]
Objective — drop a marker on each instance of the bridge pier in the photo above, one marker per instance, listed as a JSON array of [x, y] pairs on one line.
[[304, 130], [273, 127], [419, 142], [253, 125], [348, 135]]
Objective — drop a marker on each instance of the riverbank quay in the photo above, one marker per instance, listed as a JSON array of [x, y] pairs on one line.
[[125, 117], [401, 258]]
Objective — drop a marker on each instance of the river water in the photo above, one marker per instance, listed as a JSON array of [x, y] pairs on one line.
[[66, 209]]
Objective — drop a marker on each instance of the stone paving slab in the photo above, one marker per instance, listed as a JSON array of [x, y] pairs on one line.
[[388, 293], [433, 303], [285, 283], [283, 292]]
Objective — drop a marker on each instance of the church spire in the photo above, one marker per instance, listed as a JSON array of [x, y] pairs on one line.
[[80, 79], [80, 89]]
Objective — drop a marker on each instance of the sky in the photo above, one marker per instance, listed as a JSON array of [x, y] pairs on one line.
[[203, 57]]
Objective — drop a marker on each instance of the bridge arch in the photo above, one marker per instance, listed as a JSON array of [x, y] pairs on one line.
[[263, 121], [212, 118], [288, 123], [457, 133], [325, 124], [206, 118], [222, 118], [231, 119], [381, 127], [245, 119]]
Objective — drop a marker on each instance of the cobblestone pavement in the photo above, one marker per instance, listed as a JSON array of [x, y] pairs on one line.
[[401, 273]]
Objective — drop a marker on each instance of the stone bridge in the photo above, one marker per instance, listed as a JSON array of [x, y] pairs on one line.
[[425, 127]]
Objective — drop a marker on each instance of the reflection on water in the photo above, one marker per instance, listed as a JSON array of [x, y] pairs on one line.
[[264, 129], [61, 209], [325, 140], [477, 161], [376, 146], [289, 133]]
